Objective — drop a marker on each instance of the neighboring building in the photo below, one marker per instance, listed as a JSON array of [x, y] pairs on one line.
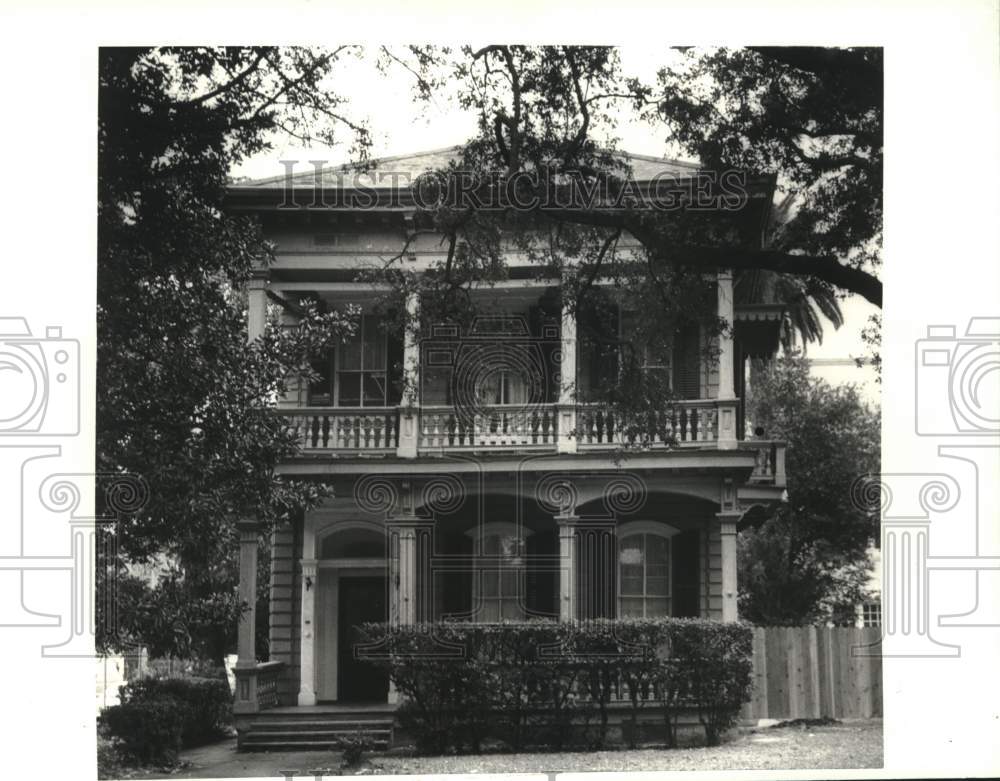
[[472, 479]]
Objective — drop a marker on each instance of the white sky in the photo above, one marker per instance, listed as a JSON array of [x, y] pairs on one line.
[[400, 125]]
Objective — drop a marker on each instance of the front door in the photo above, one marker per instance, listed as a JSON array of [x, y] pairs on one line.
[[361, 599]]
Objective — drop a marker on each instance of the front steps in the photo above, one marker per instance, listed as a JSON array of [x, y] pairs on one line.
[[315, 728]]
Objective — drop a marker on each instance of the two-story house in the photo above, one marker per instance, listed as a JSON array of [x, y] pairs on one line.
[[473, 478]]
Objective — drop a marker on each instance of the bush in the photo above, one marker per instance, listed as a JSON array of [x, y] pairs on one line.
[[544, 683], [206, 704], [148, 732], [354, 747]]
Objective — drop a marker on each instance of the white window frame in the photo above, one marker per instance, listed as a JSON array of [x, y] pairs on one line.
[[656, 529], [362, 371]]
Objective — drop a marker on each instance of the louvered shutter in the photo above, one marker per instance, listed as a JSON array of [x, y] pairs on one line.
[[686, 362]]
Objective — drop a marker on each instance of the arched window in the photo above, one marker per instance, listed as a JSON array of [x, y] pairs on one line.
[[498, 580], [644, 576]]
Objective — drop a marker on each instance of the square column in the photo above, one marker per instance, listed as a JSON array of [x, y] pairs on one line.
[[566, 409], [257, 303], [727, 388], [307, 648], [730, 587], [246, 663], [567, 566], [409, 408]]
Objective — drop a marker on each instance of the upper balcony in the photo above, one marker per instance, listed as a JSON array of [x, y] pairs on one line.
[[410, 432], [526, 378]]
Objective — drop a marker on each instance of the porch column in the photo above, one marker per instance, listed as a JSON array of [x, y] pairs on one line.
[[567, 382], [567, 566], [257, 303], [727, 388], [409, 410], [307, 648], [246, 662], [727, 533]]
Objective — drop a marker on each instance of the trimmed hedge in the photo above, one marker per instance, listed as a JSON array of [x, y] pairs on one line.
[[148, 732], [548, 683], [158, 716], [207, 704]]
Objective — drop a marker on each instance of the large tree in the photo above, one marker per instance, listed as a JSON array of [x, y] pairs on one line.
[[182, 398], [810, 556]]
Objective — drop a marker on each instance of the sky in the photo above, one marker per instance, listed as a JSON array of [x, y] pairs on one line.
[[400, 126]]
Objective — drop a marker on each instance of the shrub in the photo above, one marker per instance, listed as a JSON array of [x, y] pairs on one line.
[[206, 704], [542, 682], [148, 732], [353, 748]]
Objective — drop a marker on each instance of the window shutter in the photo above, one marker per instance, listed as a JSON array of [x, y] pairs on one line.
[[394, 363], [541, 582], [686, 362], [685, 550]]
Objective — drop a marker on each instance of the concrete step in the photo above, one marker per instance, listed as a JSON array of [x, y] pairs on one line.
[[295, 725], [284, 742], [315, 734]]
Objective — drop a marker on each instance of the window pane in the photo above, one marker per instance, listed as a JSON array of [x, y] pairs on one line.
[[436, 386], [630, 550], [489, 610], [657, 586], [490, 583], [491, 545], [374, 386], [508, 583], [350, 351], [631, 608], [349, 389], [657, 607], [656, 549], [631, 585], [510, 609], [374, 343]]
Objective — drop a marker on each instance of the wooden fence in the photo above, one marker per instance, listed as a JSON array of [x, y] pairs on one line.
[[811, 672]]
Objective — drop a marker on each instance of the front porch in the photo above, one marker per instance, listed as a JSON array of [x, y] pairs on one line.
[[463, 540]]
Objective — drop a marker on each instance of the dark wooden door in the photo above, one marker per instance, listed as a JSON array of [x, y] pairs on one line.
[[361, 599]]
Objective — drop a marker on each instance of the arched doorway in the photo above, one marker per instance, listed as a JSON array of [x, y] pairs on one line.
[[352, 590]]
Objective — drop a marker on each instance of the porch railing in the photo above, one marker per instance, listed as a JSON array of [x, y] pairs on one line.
[[769, 464], [501, 425], [543, 427], [352, 430], [682, 423], [257, 687]]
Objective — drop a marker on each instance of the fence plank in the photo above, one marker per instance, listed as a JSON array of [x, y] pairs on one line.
[[810, 672]]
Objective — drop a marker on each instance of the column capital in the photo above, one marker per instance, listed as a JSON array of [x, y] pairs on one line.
[[566, 520], [727, 521], [259, 277], [248, 530], [401, 522], [309, 567]]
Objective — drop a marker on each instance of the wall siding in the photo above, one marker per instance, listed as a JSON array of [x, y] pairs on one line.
[[286, 608]]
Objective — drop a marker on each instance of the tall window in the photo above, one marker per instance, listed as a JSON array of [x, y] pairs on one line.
[[363, 371], [498, 583], [362, 376], [644, 575]]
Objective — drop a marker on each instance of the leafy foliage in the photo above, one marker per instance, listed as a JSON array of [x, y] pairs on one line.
[[811, 554], [206, 704], [147, 732], [183, 400], [548, 683], [813, 115]]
